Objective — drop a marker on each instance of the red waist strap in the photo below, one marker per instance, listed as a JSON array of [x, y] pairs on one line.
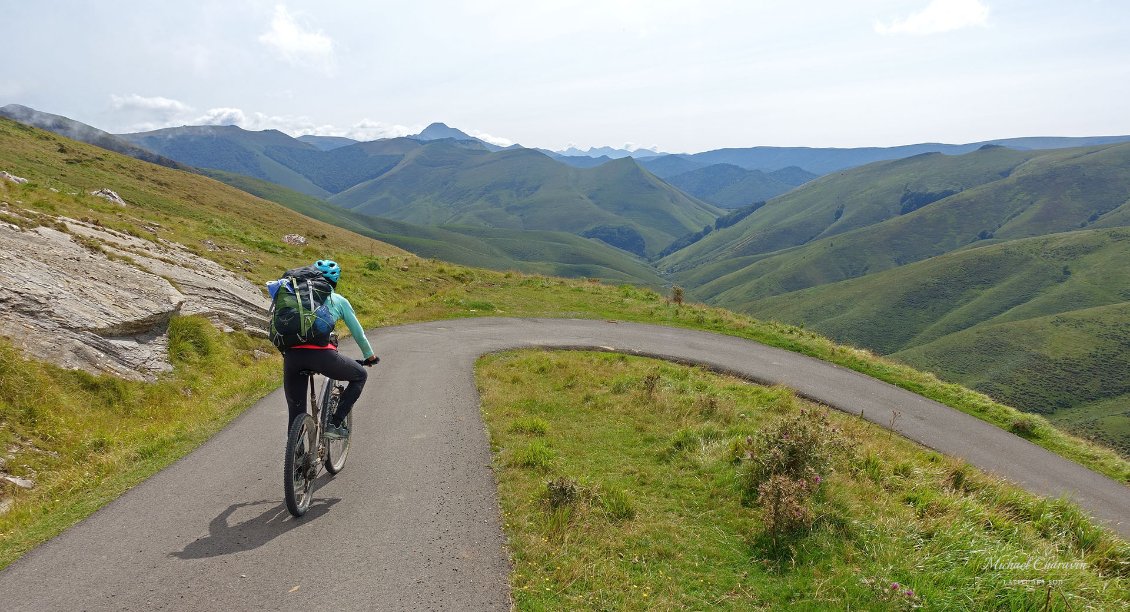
[[328, 347]]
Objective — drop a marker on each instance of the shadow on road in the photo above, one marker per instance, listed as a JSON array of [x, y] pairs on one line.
[[224, 538]]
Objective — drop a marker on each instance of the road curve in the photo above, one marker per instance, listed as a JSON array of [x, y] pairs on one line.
[[412, 522]]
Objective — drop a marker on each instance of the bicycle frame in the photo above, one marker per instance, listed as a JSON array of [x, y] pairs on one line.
[[330, 389]]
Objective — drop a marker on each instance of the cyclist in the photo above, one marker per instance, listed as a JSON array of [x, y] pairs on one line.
[[327, 361]]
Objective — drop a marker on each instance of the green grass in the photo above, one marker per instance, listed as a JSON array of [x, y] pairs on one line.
[[536, 252], [1038, 323], [642, 505], [151, 426], [445, 184], [1105, 420], [86, 439]]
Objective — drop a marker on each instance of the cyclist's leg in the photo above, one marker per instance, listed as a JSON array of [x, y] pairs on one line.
[[341, 368], [294, 382]]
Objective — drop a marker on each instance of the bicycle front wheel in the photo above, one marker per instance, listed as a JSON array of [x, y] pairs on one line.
[[337, 451], [300, 466]]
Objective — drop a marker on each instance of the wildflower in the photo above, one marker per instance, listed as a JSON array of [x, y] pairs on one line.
[[908, 593], [816, 479], [894, 586]]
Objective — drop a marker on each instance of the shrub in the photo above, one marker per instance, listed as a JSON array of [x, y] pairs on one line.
[[677, 295], [784, 467], [562, 491], [1024, 425], [802, 447], [785, 504]]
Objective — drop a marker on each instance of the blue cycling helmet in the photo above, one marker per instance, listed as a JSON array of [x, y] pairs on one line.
[[329, 269]]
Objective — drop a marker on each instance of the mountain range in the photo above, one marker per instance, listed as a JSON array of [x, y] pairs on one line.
[[997, 264]]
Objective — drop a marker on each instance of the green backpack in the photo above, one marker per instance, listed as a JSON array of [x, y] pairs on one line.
[[300, 311]]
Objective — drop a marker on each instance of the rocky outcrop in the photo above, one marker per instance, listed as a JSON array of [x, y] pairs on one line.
[[19, 180], [100, 300], [109, 194]]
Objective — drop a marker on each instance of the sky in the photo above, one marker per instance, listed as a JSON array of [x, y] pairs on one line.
[[676, 75]]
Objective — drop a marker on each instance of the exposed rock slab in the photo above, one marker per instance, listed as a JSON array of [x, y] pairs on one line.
[[100, 300]]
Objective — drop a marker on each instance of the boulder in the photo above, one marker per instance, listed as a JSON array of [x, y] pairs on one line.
[[109, 195], [295, 239]]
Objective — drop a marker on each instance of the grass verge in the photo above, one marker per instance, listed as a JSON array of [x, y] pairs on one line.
[[87, 439], [84, 439], [642, 502]]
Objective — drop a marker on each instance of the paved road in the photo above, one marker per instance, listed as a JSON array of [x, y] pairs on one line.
[[412, 522]]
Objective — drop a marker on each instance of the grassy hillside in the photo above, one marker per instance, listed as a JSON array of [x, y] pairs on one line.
[[918, 303], [102, 435], [227, 147], [1054, 192], [1040, 323], [826, 160], [850, 200], [443, 184], [76, 130], [551, 253], [625, 484], [451, 182], [1043, 364], [729, 186]]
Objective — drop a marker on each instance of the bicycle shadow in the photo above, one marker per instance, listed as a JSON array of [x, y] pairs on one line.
[[224, 538]]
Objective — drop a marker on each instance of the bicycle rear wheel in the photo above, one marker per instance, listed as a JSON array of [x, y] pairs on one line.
[[337, 451], [300, 465]]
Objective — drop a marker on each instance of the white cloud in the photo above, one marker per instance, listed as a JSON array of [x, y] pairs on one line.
[[633, 147], [298, 45], [222, 116], [138, 113], [143, 114], [939, 16], [364, 130], [494, 140], [368, 129], [157, 104]]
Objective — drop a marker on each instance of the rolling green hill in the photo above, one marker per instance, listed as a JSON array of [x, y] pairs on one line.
[[849, 200], [1003, 270], [88, 438], [555, 253], [1040, 323], [618, 202], [446, 181], [1048, 192], [227, 147], [826, 160], [76, 130], [729, 186]]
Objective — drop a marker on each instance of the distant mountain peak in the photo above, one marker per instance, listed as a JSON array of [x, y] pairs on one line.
[[611, 152], [437, 131]]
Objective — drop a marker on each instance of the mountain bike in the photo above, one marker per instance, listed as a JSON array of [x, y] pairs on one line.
[[308, 448]]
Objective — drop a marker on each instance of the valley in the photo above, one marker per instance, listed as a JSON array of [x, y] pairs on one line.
[[946, 257]]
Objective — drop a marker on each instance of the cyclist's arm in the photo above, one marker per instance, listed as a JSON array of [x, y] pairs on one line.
[[345, 313]]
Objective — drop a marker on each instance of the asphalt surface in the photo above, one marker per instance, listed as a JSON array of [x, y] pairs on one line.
[[412, 523]]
